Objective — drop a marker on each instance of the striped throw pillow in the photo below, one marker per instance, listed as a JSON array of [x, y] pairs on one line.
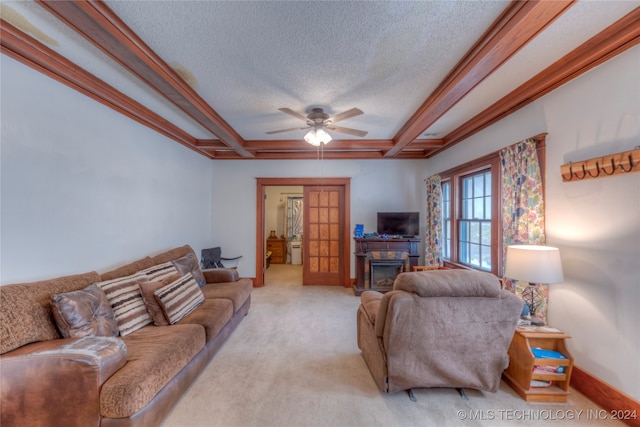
[[126, 301], [160, 272], [179, 298]]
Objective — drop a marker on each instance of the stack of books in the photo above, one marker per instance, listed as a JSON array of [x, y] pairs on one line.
[[540, 353], [533, 328]]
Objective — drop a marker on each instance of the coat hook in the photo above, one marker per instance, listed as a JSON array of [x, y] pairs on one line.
[[601, 166], [630, 164], [570, 174], [584, 173], [597, 171], [613, 168]]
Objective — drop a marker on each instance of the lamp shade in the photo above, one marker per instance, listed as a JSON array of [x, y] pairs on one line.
[[534, 264]]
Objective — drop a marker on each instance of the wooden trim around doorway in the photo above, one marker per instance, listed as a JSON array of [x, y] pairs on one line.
[[261, 183]]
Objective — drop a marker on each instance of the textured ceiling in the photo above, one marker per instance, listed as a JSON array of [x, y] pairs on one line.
[[246, 59], [251, 58]]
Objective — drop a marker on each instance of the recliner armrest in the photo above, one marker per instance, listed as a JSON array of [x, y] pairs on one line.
[[58, 382], [220, 275], [371, 303]]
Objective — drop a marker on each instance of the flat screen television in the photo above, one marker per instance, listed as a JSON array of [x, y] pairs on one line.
[[405, 224]]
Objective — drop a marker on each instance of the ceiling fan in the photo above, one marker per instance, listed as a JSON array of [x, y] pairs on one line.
[[318, 121]]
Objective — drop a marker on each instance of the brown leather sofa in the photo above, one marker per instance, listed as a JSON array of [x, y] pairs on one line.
[[132, 380], [441, 328]]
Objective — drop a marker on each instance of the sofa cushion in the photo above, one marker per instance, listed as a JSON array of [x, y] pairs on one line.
[[218, 275], [213, 314], [126, 300], [153, 307], [189, 264], [172, 254], [25, 309], [83, 313], [449, 283], [147, 290], [160, 272], [238, 292], [128, 269], [155, 354], [179, 298]]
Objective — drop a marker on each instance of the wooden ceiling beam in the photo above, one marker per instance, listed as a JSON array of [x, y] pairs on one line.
[[36, 55], [336, 144], [426, 144], [334, 155], [210, 143], [96, 22], [520, 23], [615, 39], [348, 146], [308, 155]]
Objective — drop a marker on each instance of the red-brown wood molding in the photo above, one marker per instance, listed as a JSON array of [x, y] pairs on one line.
[[615, 403], [615, 39], [101, 26], [262, 183], [510, 32], [36, 55]]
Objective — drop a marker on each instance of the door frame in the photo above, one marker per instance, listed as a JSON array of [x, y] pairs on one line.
[[261, 183]]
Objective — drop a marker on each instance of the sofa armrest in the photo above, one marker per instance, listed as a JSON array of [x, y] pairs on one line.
[[221, 275], [58, 382]]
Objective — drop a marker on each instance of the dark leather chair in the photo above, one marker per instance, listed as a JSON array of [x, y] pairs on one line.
[[212, 258]]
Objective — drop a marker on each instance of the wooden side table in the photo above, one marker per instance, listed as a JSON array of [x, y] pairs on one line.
[[278, 249], [520, 373]]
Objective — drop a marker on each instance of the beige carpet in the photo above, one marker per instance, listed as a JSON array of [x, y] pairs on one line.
[[294, 361]]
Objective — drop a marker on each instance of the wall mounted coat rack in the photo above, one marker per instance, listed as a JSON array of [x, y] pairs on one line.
[[614, 164]]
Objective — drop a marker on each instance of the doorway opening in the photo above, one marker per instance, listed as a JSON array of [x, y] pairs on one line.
[[285, 275], [283, 227], [309, 248]]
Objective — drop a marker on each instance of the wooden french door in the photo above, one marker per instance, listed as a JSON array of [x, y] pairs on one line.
[[323, 235], [323, 272]]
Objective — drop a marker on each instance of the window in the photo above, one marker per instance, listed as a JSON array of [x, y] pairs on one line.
[[471, 218], [474, 236]]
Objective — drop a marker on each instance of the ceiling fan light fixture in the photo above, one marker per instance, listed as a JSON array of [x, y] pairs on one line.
[[316, 137]]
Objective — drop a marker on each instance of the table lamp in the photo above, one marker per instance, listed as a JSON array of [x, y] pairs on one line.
[[533, 264]]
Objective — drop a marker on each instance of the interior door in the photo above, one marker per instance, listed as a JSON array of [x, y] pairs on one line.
[[323, 235]]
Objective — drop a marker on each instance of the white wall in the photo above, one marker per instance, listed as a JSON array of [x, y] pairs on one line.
[[275, 205], [595, 223], [376, 185], [85, 188]]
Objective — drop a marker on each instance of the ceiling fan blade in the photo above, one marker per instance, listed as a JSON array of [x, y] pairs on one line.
[[349, 131], [293, 113], [286, 130], [346, 114]]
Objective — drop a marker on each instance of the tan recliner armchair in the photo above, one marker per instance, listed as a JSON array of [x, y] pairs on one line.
[[442, 328]]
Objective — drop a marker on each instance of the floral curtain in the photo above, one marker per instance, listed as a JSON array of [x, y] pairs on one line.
[[522, 207], [433, 235]]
